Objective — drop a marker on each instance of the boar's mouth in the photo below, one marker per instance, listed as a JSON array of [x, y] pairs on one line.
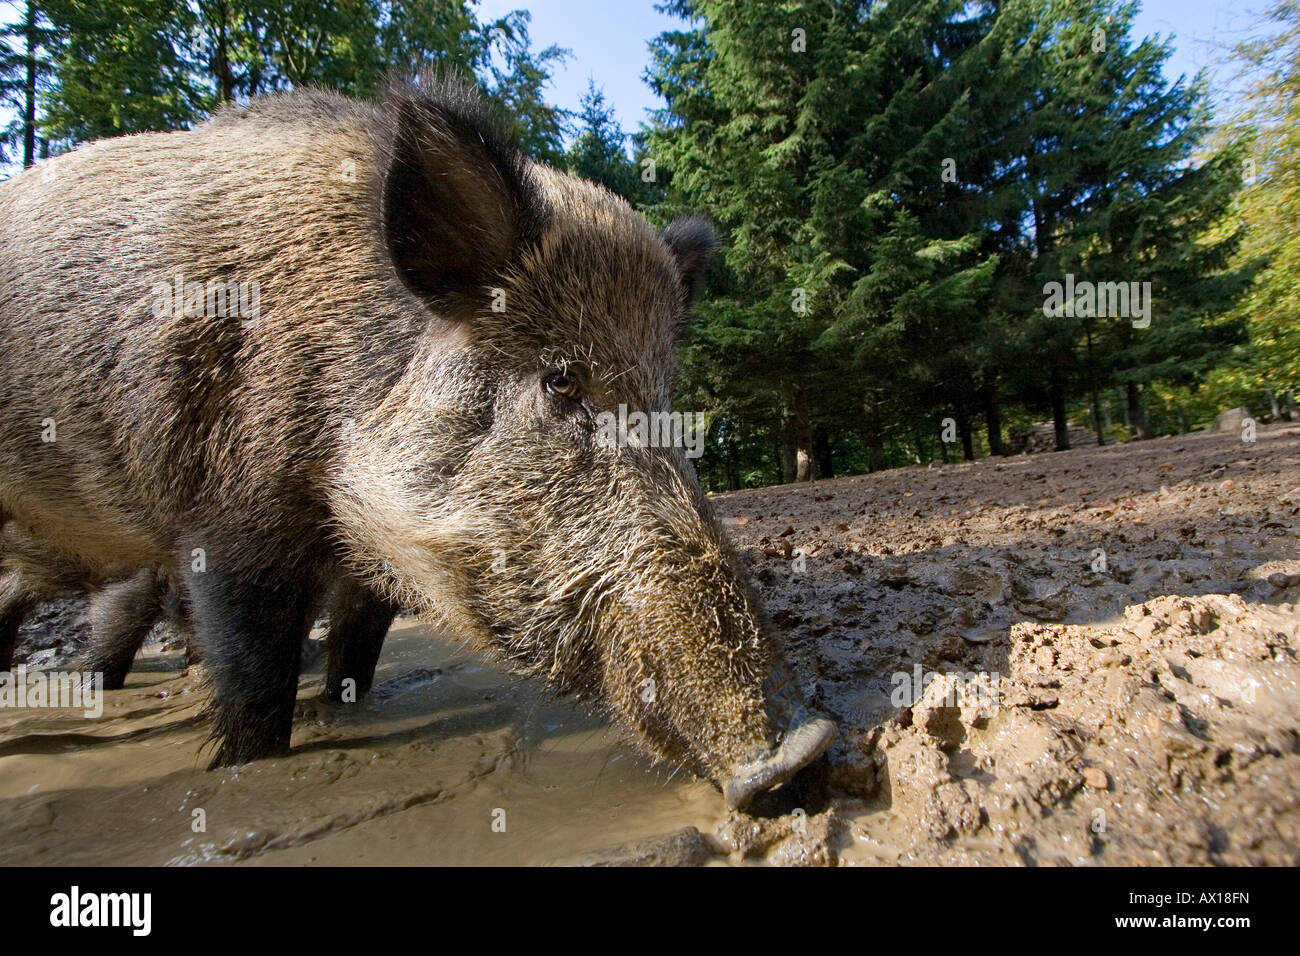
[[806, 737]]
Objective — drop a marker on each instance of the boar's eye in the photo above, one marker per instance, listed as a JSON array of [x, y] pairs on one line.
[[564, 385]]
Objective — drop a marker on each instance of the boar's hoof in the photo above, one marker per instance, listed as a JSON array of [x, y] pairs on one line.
[[799, 748]]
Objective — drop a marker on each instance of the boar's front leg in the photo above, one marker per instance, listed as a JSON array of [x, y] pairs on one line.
[[359, 619], [121, 616], [250, 625]]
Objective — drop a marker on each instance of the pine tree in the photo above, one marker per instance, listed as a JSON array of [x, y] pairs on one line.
[[599, 152], [1117, 193], [25, 48], [815, 133]]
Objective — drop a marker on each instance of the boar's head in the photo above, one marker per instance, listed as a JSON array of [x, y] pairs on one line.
[[481, 490]]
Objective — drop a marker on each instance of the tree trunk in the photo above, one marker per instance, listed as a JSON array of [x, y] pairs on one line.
[[788, 456], [804, 461], [1093, 391], [221, 58], [727, 448], [967, 435], [993, 421], [875, 440], [254, 61], [803, 437], [1096, 416], [1136, 417], [1059, 422], [823, 453], [29, 88]]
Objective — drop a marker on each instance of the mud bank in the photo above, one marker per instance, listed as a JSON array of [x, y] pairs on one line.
[[1134, 608], [1074, 658]]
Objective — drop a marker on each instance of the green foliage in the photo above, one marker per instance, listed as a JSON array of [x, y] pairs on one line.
[[120, 66], [517, 79], [1270, 205], [917, 173], [110, 67]]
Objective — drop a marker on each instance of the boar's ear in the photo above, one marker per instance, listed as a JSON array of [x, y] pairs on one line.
[[693, 242], [458, 201]]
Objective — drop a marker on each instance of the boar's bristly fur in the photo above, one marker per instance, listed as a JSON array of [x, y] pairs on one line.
[[412, 411]]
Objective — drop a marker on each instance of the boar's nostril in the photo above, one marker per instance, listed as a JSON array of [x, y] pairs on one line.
[[800, 746]]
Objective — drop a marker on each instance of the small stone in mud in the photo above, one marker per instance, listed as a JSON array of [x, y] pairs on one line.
[[685, 847], [1096, 778]]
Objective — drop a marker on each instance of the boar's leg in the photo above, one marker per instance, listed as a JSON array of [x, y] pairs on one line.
[[359, 619], [121, 617], [14, 606], [176, 612], [250, 626]]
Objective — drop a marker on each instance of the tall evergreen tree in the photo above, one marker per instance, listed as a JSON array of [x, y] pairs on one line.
[[25, 48], [816, 134], [599, 151], [1117, 193]]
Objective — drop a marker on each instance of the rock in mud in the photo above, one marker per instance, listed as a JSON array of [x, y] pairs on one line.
[[685, 847]]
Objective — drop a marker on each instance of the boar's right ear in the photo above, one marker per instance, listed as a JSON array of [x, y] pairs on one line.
[[693, 242], [458, 201]]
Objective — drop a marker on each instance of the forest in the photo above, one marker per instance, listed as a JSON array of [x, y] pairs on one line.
[[948, 225]]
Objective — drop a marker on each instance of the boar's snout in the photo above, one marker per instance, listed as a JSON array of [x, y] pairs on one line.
[[802, 738], [721, 699]]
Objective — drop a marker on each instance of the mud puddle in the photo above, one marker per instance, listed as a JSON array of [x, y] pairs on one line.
[[448, 761]]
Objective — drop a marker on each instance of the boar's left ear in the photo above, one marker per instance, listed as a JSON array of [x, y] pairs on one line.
[[693, 242], [458, 201]]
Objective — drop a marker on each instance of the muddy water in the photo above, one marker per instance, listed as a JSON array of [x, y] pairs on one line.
[[448, 761]]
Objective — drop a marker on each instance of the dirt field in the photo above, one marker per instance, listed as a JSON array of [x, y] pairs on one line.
[[1105, 640]]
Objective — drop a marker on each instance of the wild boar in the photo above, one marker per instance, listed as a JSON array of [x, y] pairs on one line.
[[316, 340]]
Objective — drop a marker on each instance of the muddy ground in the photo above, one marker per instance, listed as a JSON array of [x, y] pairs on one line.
[[1071, 658]]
